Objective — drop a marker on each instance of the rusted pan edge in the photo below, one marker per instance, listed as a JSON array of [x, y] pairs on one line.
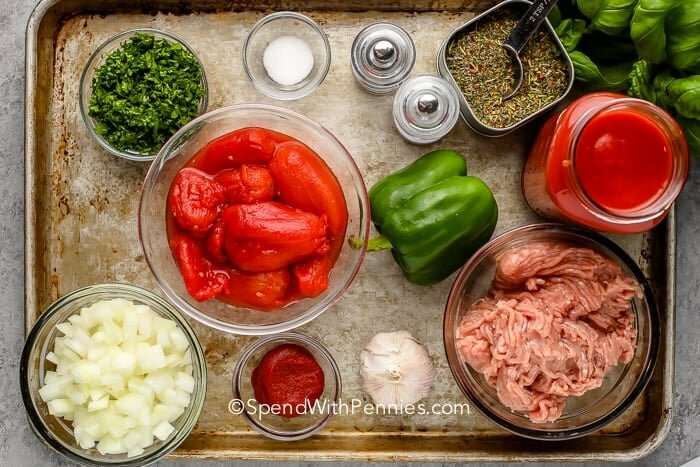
[[30, 121]]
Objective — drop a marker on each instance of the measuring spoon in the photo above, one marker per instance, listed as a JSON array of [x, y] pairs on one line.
[[523, 31]]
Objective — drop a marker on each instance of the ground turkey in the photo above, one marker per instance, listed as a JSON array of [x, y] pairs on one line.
[[556, 320]]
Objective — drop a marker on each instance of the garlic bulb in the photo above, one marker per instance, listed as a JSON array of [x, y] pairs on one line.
[[396, 370]]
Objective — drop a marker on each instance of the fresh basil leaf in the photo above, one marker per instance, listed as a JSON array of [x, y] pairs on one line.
[[554, 16], [642, 81], [683, 33], [570, 32], [681, 95], [691, 130], [648, 28], [609, 16], [668, 31], [601, 78]]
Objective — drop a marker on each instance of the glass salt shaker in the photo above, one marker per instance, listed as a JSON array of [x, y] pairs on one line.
[[382, 57], [425, 109]]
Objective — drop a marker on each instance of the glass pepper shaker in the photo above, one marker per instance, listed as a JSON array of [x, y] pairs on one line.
[[382, 57], [425, 109]]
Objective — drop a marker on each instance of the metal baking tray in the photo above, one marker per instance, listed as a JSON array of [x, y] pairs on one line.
[[81, 226]]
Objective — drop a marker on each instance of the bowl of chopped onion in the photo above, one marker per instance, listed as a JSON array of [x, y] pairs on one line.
[[111, 374]]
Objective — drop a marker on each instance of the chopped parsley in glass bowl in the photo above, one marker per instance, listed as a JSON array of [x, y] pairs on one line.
[[138, 88]]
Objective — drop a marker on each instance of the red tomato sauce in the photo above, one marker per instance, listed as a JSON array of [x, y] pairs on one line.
[[607, 162], [288, 378], [256, 219], [623, 161]]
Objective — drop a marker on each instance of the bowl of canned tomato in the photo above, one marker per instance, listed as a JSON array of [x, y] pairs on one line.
[[244, 218]]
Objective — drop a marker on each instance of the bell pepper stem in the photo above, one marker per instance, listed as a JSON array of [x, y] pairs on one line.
[[377, 243]]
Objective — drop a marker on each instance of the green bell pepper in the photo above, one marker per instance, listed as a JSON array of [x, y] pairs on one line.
[[432, 215], [392, 191]]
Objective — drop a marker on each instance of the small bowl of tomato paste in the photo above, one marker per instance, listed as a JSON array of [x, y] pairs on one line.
[[245, 216], [286, 386]]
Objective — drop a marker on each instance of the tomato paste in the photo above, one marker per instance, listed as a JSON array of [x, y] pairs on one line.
[[288, 378], [256, 219], [607, 162]]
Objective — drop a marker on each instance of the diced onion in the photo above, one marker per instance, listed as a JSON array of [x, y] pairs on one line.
[[99, 404], [184, 381], [61, 407], [123, 375], [77, 395], [163, 430], [51, 357]]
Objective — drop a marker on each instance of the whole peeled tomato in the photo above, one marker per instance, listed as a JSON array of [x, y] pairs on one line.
[[268, 236], [245, 146], [272, 222], [215, 242], [263, 291], [305, 181], [195, 201], [311, 275], [247, 184], [201, 280], [255, 256]]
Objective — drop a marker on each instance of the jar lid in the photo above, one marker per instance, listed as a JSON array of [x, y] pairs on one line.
[[426, 108], [382, 57]]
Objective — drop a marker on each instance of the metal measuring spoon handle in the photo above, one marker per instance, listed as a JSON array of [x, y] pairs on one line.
[[521, 34]]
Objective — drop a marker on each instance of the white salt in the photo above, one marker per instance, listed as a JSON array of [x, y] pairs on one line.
[[288, 60]]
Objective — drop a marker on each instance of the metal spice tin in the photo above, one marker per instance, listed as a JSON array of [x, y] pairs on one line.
[[518, 6]]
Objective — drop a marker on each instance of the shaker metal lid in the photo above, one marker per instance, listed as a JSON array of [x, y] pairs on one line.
[[382, 57], [425, 109]]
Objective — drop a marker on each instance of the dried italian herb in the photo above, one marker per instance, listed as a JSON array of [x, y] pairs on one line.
[[484, 72], [144, 92]]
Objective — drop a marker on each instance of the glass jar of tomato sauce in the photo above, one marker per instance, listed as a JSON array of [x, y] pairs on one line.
[[607, 162]]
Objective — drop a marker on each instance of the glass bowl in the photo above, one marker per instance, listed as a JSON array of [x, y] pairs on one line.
[[276, 426], [276, 25], [178, 151], [57, 432], [97, 59], [594, 409]]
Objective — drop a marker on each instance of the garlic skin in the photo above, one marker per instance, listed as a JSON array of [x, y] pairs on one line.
[[396, 369]]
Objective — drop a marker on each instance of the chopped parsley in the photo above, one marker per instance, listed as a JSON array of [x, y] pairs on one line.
[[144, 92]]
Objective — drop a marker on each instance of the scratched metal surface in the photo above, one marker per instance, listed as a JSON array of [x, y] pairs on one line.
[[81, 229]]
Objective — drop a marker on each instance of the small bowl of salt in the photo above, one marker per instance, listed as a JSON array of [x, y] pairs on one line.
[[286, 55]]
